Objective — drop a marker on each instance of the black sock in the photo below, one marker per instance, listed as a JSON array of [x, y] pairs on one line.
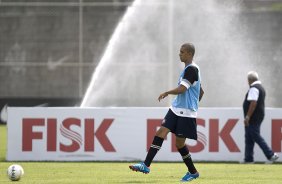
[[155, 147], [187, 159]]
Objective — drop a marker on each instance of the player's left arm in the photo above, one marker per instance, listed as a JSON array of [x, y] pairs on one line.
[[180, 89]]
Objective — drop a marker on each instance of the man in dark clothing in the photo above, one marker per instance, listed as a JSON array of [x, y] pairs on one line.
[[253, 107]]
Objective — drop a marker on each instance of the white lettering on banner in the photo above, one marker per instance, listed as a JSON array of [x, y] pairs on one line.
[[74, 134]]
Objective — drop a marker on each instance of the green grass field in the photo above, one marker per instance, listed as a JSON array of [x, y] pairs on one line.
[[118, 172]]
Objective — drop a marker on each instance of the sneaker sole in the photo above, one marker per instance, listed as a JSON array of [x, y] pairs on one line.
[[136, 170], [188, 180]]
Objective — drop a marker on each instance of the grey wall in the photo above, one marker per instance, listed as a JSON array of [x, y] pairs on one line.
[[33, 36], [50, 49]]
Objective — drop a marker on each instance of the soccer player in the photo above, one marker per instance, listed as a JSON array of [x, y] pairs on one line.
[[181, 116]]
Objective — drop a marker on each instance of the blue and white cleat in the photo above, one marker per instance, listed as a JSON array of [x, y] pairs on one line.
[[189, 177], [140, 167]]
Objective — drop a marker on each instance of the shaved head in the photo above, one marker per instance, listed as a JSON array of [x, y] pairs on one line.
[[189, 47]]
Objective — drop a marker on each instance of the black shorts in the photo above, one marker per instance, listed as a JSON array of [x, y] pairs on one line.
[[181, 126]]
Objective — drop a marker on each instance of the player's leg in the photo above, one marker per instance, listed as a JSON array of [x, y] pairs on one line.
[[186, 128], [168, 124], [156, 145], [184, 152], [154, 148]]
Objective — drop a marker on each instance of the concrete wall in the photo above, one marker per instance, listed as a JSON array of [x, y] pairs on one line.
[[51, 48]]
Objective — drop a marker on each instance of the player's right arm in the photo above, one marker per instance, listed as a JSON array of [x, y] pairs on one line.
[[180, 89], [190, 76], [201, 93]]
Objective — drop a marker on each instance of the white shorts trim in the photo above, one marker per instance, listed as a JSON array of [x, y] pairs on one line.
[[184, 112]]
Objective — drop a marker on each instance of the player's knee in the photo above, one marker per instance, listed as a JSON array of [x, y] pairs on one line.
[[162, 132], [179, 145], [180, 142]]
